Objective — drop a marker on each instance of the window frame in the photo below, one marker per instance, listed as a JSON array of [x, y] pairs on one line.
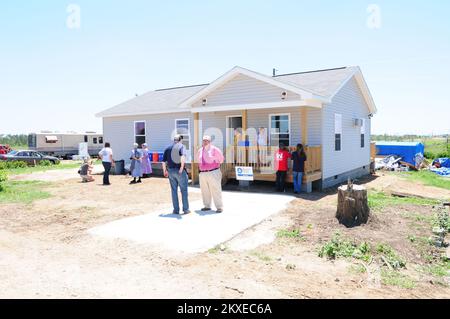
[[270, 127], [363, 134], [336, 133], [145, 131], [189, 131]]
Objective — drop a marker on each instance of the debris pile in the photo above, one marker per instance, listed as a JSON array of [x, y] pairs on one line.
[[390, 163], [441, 166]]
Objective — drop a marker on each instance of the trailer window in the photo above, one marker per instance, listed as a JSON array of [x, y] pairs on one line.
[[85, 138], [94, 140], [51, 139], [100, 140]]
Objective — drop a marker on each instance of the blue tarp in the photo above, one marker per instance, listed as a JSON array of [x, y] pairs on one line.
[[443, 171], [407, 150], [444, 162]]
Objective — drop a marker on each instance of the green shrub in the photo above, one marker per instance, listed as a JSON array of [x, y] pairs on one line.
[[12, 165], [390, 256], [3, 179], [338, 247], [45, 163]]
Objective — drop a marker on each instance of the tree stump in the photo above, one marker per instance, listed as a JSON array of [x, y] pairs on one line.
[[353, 208]]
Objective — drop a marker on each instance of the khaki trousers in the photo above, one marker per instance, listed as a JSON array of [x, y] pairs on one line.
[[211, 187]]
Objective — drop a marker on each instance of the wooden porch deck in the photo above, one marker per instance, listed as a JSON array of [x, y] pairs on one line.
[[261, 160]]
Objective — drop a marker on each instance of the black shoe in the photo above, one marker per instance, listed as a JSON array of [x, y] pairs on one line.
[[107, 184], [133, 182], [176, 213], [186, 212], [220, 210], [139, 181], [205, 209]]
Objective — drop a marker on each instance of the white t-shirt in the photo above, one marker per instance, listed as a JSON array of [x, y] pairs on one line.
[[105, 154]]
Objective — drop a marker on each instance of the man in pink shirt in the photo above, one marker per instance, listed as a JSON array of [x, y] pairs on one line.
[[209, 159]]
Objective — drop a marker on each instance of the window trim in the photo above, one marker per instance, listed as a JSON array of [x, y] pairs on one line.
[[335, 133], [189, 131], [145, 128], [289, 127], [362, 136]]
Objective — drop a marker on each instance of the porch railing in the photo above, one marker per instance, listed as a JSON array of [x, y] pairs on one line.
[[262, 158]]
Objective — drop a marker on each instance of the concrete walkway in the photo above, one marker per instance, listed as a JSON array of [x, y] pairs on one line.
[[198, 231]]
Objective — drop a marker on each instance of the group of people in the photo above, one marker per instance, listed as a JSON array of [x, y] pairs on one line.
[[209, 159], [174, 167], [298, 168]]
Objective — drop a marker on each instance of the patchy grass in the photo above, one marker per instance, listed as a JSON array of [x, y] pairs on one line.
[[396, 278], [379, 200], [389, 256], [440, 269], [427, 178], [339, 247], [30, 169], [293, 234], [24, 192], [261, 256], [44, 168], [217, 249], [357, 269]]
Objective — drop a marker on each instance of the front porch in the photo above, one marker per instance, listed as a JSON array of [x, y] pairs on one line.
[[261, 158]]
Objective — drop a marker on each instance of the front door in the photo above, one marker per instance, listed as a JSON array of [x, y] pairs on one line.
[[234, 129]]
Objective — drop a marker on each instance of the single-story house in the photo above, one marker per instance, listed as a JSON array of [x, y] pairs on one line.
[[328, 111]]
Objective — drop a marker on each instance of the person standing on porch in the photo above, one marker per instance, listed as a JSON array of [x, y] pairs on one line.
[[237, 137], [281, 166], [173, 164], [106, 156], [262, 145], [298, 167], [209, 159]]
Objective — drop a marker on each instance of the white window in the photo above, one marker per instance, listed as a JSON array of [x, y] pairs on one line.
[[337, 132], [280, 128], [139, 132], [182, 127], [363, 133]]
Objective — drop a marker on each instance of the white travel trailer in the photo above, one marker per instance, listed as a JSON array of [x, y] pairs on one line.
[[65, 144]]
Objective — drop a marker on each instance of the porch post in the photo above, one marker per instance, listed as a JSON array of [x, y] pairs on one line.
[[244, 134], [194, 164], [304, 125]]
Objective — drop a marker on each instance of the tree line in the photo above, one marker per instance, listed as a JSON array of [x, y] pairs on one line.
[[16, 139]]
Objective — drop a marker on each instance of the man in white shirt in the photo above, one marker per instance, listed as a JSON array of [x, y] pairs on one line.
[[106, 155]]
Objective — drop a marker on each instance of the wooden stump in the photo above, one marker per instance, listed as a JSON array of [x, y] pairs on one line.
[[353, 208]]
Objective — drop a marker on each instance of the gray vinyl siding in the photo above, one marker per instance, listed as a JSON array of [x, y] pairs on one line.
[[213, 123], [314, 126], [243, 89], [350, 103], [119, 131]]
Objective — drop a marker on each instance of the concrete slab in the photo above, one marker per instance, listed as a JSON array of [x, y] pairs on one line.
[[198, 231]]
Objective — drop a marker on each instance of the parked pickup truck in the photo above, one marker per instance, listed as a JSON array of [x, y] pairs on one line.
[[31, 157]]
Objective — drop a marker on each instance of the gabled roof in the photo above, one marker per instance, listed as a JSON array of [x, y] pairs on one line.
[[329, 82], [154, 102], [305, 93], [321, 85]]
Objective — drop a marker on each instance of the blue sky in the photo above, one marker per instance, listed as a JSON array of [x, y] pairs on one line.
[[56, 78]]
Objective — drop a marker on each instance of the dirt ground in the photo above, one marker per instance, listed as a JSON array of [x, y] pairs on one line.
[[46, 252]]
